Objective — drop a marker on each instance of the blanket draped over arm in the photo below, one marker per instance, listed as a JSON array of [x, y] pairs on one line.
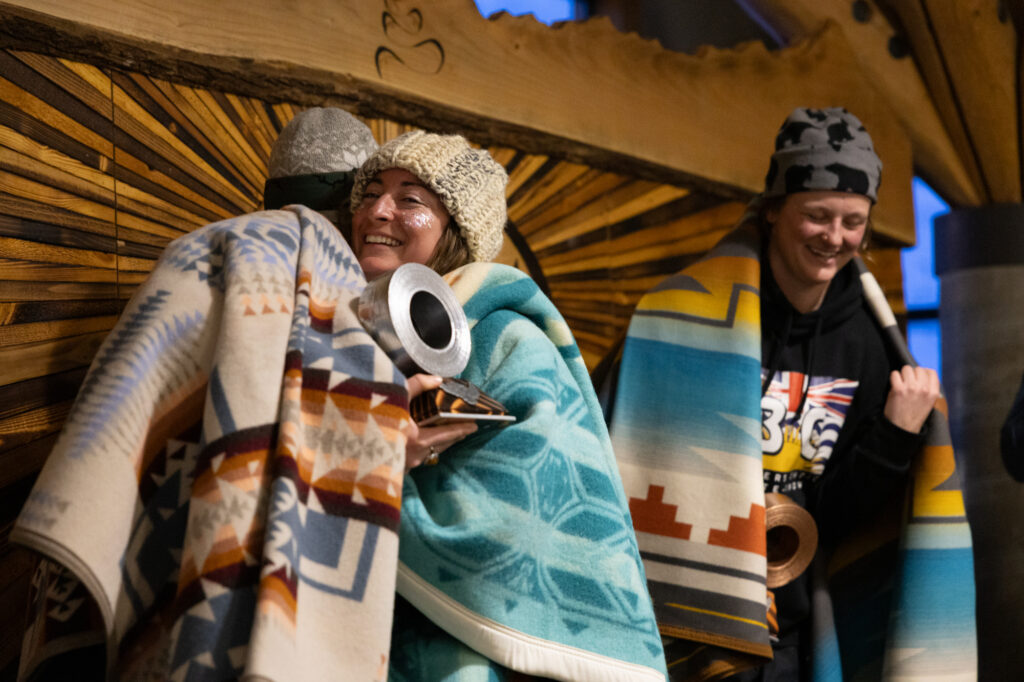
[[686, 427], [228, 484], [519, 543]]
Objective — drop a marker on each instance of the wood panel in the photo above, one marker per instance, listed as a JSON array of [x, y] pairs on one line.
[[602, 239], [979, 52], [582, 92], [98, 172], [966, 52], [870, 36]]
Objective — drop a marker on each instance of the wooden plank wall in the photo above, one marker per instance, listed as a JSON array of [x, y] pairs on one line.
[[100, 169], [98, 172], [602, 239]]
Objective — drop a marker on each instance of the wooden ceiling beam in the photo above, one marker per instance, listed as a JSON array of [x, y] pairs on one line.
[[949, 168], [580, 91], [979, 49], [967, 52]]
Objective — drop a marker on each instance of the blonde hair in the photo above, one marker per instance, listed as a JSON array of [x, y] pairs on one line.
[[451, 251]]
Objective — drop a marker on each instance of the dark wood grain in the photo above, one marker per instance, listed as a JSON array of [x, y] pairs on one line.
[[22, 312], [57, 235], [16, 568], [32, 394], [36, 212]]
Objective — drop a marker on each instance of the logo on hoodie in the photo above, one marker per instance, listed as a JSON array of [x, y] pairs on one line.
[[801, 418]]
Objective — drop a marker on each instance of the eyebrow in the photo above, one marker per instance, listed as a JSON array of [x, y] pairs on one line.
[[830, 211], [404, 183]]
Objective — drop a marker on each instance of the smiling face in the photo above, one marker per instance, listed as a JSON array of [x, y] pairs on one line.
[[813, 235], [398, 221]]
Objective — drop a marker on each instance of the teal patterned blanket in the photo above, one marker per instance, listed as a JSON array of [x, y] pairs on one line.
[[519, 543]]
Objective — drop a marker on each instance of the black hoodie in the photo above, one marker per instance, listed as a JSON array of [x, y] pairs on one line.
[[849, 460]]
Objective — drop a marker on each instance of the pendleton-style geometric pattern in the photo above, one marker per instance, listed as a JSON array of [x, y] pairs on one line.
[[929, 622], [519, 542], [228, 484], [686, 428], [687, 431]]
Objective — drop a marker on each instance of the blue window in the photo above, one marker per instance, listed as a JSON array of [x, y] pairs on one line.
[[920, 285], [548, 11]]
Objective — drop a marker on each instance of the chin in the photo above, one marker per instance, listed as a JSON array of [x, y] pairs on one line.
[[823, 274], [374, 270]]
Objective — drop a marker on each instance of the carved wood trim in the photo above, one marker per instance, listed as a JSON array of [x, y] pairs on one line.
[[580, 91]]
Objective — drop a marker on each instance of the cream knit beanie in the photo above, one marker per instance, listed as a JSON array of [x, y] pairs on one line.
[[469, 183]]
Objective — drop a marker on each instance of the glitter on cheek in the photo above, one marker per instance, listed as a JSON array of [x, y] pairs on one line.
[[417, 220]]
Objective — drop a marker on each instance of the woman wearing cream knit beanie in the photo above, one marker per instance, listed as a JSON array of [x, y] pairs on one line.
[[468, 184]]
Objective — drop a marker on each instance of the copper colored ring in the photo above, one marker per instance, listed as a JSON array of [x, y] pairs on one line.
[[787, 521]]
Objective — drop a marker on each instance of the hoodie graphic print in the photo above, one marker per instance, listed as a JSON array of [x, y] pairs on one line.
[[801, 418]]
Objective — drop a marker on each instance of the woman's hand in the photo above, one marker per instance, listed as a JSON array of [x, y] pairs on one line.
[[912, 395], [422, 441]]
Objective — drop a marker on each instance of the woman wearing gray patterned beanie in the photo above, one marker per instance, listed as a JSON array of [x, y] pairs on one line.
[[314, 161], [818, 339]]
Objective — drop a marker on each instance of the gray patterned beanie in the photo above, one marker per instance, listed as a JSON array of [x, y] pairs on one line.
[[315, 159], [823, 149], [469, 183]]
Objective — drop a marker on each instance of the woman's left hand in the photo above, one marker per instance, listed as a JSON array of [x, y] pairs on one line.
[[424, 441], [912, 395]]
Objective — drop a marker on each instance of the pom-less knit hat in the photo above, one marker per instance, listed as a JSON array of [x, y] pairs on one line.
[[469, 183], [823, 149], [315, 159]]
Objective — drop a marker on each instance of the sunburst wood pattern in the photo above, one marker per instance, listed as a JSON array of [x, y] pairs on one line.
[[99, 170]]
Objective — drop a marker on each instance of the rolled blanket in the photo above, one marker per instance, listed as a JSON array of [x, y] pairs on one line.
[[519, 543], [227, 486], [686, 427]]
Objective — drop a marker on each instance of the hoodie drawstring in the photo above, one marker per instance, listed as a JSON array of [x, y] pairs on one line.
[[776, 354], [809, 353], [812, 344]]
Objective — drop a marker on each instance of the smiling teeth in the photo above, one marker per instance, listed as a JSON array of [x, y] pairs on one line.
[[825, 254], [381, 239]]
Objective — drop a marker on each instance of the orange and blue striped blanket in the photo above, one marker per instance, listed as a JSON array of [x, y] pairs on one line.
[[686, 428]]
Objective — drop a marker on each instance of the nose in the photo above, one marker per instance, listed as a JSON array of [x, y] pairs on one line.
[[382, 208], [833, 234]]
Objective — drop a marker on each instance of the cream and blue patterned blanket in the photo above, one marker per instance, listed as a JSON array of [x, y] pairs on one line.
[[224, 499], [519, 543], [686, 428]]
